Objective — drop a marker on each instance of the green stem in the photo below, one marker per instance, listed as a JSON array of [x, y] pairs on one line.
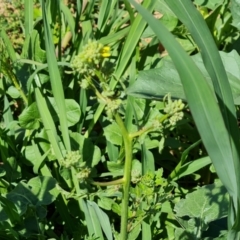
[[126, 177], [103, 184], [141, 131], [150, 128]]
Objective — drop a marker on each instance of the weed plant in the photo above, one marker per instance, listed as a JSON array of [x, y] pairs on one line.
[[117, 123]]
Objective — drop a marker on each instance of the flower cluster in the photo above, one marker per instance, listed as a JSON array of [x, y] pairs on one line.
[[83, 174], [90, 57], [111, 107], [136, 176], [174, 109], [71, 159]]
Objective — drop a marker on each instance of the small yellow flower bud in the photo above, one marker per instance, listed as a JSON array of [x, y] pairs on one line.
[[105, 52]]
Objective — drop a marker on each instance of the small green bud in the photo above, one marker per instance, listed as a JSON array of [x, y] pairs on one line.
[[83, 174], [72, 158]]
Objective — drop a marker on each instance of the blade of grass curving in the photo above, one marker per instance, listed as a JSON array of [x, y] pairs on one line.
[[55, 79], [68, 17], [194, 21], [190, 167], [114, 37], [28, 15], [202, 103], [183, 159], [129, 9]]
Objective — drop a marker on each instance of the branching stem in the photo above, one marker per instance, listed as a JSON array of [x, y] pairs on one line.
[[127, 175]]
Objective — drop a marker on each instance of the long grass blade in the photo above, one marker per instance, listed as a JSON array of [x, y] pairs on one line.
[[55, 79], [28, 14], [193, 20], [202, 103]]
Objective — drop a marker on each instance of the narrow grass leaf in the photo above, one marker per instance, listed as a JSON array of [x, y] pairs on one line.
[[28, 15], [55, 79], [191, 167], [114, 37], [105, 13], [202, 103], [48, 123], [132, 39], [103, 220], [183, 159], [193, 20], [95, 223], [68, 17], [8, 45]]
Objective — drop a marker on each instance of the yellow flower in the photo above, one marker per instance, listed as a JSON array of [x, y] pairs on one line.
[[105, 52]]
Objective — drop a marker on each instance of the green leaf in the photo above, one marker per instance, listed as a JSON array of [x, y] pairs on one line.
[[115, 168], [112, 151], [168, 19], [30, 118], [91, 154], [9, 210], [235, 9], [156, 83], [135, 232], [13, 92], [32, 48], [113, 134], [192, 167], [34, 193], [55, 78], [72, 110], [207, 203], [12, 168], [93, 223], [105, 203], [40, 187], [209, 3], [69, 18], [182, 234], [103, 219]]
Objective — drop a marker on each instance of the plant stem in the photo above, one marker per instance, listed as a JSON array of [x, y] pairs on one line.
[[103, 184], [150, 128], [127, 176]]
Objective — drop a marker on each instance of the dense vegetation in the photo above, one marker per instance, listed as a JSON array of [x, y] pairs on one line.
[[119, 121]]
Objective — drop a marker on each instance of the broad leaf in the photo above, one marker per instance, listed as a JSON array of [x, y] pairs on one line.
[[207, 203], [156, 83], [34, 193]]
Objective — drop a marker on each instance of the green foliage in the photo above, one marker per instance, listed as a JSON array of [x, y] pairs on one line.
[[103, 136]]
